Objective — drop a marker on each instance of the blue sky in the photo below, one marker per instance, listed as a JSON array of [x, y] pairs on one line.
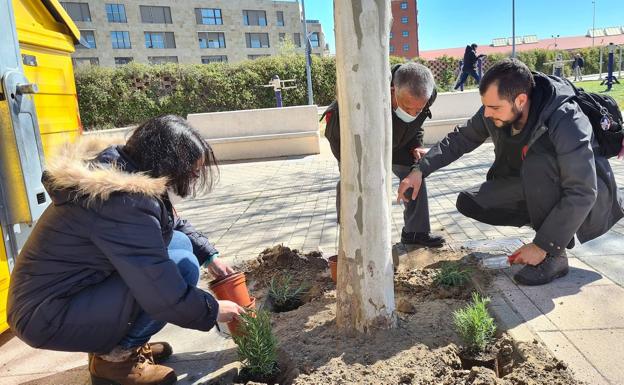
[[455, 23]]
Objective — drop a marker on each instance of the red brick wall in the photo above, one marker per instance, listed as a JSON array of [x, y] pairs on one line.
[[398, 40]]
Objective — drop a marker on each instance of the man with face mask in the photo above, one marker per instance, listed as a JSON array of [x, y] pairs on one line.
[[545, 172], [412, 92]]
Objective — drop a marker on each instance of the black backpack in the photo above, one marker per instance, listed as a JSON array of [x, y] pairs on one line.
[[606, 120]]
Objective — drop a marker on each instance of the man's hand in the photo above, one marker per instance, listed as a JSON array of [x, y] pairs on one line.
[[228, 310], [413, 180], [218, 268], [419, 152], [529, 254]]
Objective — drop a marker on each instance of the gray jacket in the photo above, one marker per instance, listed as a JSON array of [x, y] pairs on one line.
[[590, 202]]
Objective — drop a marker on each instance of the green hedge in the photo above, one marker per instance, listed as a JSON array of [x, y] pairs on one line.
[[117, 97], [130, 94]]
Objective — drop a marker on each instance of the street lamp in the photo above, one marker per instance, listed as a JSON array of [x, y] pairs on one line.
[[555, 37], [513, 28], [593, 33], [308, 58]]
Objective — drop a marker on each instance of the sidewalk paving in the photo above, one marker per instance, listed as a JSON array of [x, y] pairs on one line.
[[292, 201]]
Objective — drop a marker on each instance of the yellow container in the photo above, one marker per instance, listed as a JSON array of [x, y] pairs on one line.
[[47, 37]]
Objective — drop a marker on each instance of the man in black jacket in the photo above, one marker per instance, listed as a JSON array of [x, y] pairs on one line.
[[412, 93], [469, 67], [545, 173]]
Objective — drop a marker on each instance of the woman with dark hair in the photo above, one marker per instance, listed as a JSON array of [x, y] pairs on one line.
[[110, 263]]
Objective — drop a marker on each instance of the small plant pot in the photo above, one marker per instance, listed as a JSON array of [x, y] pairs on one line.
[[333, 267], [235, 324], [488, 359], [231, 288]]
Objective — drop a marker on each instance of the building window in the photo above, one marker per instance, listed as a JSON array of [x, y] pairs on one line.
[[282, 37], [121, 39], [208, 16], [405, 33], [404, 20], [155, 15], [162, 59], [123, 60], [116, 13], [391, 49], [280, 18], [254, 17], [211, 39], [77, 11], [160, 40], [405, 47], [404, 5], [254, 57], [297, 39], [89, 38], [315, 40], [257, 40], [82, 61], [214, 59]]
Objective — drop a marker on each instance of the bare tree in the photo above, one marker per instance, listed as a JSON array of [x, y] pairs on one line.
[[365, 274]]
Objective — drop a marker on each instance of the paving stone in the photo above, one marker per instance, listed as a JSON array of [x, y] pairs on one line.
[[563, 349], [592, 344]]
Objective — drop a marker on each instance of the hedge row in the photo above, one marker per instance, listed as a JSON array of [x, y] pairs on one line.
[[117, 97]]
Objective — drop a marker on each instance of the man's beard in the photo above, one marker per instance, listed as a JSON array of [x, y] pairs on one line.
[[517, 114]]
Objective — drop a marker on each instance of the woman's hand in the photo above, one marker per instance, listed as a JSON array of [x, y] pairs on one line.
[[218, 268], [228, 310]]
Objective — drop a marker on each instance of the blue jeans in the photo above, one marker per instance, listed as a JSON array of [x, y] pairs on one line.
[[464, 77], [144, 327]]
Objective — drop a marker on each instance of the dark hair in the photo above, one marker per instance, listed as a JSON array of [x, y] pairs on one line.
[[167, 146], [473, 46], [511, 76]]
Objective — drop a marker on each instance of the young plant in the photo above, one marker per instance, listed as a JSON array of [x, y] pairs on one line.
[[257, 346], [474, 324], [285, 297], [452, 274]]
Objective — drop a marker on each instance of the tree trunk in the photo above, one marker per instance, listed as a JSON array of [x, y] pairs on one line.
[[365, 287]]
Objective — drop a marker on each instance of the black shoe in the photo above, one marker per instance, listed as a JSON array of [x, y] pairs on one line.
[[423, 239], [550, 269]]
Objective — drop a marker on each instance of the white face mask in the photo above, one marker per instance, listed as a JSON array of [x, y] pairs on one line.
[[404, 116], [173, 197]]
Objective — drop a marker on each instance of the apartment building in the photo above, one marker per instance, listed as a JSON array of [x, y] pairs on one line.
[[404, 30], [116, 32]]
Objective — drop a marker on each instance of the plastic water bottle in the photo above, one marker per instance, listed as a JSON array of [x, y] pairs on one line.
[[496, 262]]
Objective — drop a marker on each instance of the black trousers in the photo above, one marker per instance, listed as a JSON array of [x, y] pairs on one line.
[[515, 201]]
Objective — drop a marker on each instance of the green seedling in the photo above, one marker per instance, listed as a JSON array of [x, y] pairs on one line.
[[283, 293], [257, 346], [452, 274], [474, 324]]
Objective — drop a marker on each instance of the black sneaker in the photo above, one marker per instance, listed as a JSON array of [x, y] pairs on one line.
[[422, 239], [550, 269]]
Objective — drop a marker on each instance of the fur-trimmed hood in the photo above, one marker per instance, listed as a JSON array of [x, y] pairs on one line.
[[94, 167]]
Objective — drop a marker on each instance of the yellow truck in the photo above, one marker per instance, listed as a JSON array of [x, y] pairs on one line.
[[38, 112]]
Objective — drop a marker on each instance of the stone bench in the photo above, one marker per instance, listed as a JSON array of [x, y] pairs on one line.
[[261, 133], [449, 110]]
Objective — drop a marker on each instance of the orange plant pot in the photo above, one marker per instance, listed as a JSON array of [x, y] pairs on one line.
[[231, 288], [333, 267], [235, 324]]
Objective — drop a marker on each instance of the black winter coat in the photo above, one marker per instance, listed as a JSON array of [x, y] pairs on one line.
[[99, 254], [405, 136], [590, 203]]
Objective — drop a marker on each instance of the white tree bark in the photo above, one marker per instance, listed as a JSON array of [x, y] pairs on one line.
[[365, 287]]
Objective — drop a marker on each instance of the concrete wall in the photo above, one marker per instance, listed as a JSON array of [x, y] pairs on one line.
[[449, 110], [263, 133]]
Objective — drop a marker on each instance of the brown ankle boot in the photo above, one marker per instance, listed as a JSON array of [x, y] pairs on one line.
[[134, 368], [160, 351]]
